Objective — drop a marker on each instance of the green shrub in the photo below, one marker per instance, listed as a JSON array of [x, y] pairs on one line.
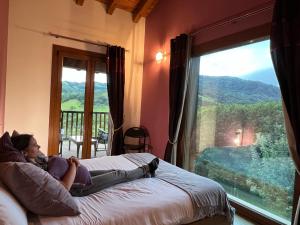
[[269, 178]]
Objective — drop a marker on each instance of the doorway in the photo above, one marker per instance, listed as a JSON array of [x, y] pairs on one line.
[[79, 110]]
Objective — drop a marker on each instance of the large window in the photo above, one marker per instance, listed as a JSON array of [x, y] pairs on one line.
[[241, 138]]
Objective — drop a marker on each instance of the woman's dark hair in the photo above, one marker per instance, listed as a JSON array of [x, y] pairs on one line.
[[21, 141]]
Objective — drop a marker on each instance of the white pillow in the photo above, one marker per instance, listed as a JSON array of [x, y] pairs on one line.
[[11, 212]]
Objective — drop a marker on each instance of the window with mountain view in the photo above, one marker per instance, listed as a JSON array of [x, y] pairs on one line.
[[241, 138]]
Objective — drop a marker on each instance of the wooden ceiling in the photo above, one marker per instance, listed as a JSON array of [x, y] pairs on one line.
[[138, 8]]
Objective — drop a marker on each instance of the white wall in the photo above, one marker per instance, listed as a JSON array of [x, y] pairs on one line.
[[29, 57]]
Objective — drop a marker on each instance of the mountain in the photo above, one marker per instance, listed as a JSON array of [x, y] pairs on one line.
[[227, 90], [73, 96], [212, 89], [266, 76], [70, 87]]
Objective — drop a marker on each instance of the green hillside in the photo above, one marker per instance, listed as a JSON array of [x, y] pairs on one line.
[[223, 89], [73, 96], [228, 90]]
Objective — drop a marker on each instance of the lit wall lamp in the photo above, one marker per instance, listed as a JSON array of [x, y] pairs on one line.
[[160, 56], [237, 140]]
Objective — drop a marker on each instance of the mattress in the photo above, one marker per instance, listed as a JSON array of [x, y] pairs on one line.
[[146, 201]]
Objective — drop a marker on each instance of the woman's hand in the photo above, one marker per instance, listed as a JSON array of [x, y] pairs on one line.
[[69, 176], [75, 160], [71, 162]]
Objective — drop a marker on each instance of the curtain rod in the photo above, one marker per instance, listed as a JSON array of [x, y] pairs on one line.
[[236, 18], [80, 40], [103, 44], [76, 39]]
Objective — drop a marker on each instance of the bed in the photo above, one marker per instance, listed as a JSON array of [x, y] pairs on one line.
[[152, 201]]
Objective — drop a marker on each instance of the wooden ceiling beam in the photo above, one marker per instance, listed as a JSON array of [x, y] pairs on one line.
[[141, 9], [79, 2], [112, 5]]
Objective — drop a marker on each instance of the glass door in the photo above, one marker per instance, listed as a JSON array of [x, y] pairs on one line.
[[76, 117], [73, 80], [100, 111]]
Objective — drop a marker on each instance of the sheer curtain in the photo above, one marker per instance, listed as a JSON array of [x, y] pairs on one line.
[[285, 50], [115, 70], [186, 148]]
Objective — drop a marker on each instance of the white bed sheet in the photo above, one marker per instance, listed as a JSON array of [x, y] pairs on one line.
[[140, 202]]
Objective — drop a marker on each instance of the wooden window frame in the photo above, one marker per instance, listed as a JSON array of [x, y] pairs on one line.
[[230, 41], [58, 53]]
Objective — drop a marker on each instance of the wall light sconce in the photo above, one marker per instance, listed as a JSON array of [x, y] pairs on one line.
[[237, 139], [160, 56]]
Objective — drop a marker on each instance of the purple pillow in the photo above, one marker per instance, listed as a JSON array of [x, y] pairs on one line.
[[37, 190], [15, 133], [7, 151], [58, 166]]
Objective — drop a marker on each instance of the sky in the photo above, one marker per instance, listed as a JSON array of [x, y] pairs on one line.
[[237, 61], [74, 75]]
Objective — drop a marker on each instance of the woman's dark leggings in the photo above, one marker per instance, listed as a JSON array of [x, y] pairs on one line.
[[106, 178]]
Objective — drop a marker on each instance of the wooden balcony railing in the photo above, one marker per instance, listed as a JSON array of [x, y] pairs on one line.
[[72, 123]]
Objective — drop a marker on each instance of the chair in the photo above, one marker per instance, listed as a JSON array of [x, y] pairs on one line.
[[62, 137], [135, 139], [102, 138]]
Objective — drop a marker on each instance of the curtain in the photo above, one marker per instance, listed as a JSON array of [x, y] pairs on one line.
[[285, 51], [186, 149], [115, 70], [179, 63]]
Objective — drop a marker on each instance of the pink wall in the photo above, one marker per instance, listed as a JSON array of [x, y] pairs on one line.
[[168, 19], [3, 50]]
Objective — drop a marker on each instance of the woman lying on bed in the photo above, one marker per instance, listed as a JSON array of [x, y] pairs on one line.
[[100, 179]]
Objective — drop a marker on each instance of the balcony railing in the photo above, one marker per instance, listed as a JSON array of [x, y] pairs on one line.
[[72, 123]]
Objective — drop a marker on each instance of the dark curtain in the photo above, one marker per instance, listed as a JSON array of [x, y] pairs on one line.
[[285, 50], [115, 89], [180, 50]]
